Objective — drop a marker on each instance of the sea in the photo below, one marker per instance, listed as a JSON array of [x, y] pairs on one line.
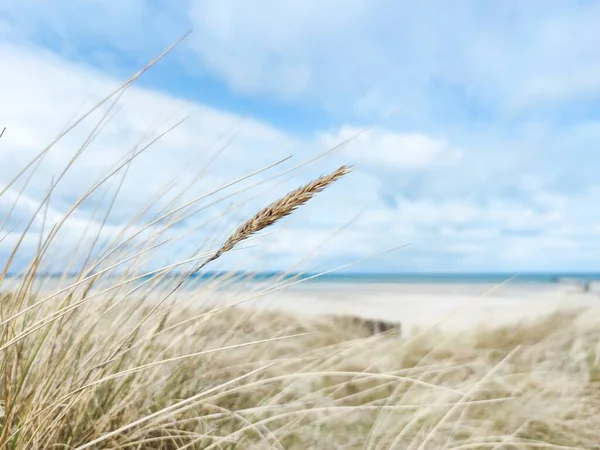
[[584, 280]]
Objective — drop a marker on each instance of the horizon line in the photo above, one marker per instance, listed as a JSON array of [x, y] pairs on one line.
[[346, 274]]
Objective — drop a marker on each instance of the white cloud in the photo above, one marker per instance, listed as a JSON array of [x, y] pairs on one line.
[[394, 151], [364, 53]]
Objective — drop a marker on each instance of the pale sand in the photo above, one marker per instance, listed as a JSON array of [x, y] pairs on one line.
[[444, 306], [448, 307]]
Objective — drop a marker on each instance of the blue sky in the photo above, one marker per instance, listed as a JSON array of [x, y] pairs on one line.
[[490, 163]]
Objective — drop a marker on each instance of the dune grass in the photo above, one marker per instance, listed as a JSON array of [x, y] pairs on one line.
[[108, 359], [192, 378]]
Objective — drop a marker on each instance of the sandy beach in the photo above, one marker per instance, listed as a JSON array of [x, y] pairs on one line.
[[454, 306], [445, 306]]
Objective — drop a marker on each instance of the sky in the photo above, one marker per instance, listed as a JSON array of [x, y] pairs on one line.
[[473, 128]]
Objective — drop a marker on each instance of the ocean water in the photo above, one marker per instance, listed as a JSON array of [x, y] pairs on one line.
[[457, 278], [266, 279]]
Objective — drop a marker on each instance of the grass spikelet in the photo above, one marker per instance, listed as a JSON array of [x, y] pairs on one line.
[[279, 209]]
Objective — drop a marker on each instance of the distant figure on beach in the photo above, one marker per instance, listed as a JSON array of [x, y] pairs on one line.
[[584, 285]]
